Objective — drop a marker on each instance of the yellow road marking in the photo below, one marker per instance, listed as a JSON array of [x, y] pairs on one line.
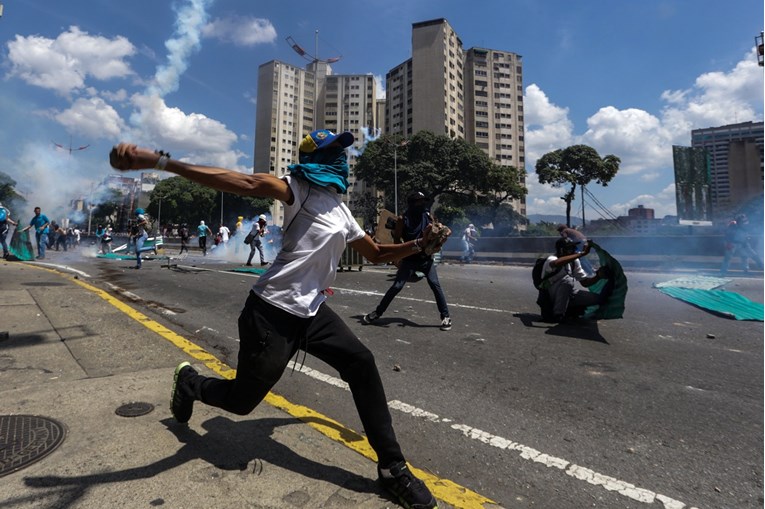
[[443, 489]]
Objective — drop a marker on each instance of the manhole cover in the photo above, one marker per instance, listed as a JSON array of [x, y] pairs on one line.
[[25, 439], [134, 409]]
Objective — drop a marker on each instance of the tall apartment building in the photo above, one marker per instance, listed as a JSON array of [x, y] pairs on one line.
[[494, 108], [426, 92], [293, 102], [735, 155]]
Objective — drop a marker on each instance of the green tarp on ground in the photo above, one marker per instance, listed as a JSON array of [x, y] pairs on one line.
[[614, 306], [728, 304], [251, 270], [20, 247]]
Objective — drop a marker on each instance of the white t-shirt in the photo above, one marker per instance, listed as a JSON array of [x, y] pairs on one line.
[[318, 227], [573, 269], [224, 233]]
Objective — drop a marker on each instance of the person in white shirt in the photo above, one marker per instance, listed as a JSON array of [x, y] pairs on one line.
[[257, 232], [562, 273], [286, 309], [225, 233]]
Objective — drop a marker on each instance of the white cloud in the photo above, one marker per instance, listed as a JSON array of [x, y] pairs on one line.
[[716, 98], [63, 64], [548, 127], [241, 31], [663, 203], [642, 140], [202, 139], [92, 118], [635, 136]]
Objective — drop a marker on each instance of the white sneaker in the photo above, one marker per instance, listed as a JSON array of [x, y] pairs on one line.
[[446, 323]]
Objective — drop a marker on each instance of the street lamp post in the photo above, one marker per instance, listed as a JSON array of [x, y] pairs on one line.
[[159, 215], [395, 174]]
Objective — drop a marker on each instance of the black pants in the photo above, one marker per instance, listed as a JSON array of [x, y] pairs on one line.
[[406, 269], [269, 337]]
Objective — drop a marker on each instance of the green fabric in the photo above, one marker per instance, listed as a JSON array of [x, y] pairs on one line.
[[251, 270], [728, 304], [21, 246], [614, 306]]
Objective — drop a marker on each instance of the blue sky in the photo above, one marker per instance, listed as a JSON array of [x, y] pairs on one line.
[[628, 77]]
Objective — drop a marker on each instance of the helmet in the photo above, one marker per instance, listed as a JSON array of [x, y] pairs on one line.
[[140, 211], [563, 245], [415, 196], [262, 217]]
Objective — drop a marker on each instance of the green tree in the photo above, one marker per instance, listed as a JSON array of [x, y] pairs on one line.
[[184, 201], [107, 209], [577, 165], [436, 165], [8, 195], [365, 206], [542, 229], [235, 205]]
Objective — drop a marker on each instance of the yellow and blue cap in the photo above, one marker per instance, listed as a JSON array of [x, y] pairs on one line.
[[322, 138]]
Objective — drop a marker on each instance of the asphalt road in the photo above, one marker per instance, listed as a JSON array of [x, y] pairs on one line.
[[663, 408]]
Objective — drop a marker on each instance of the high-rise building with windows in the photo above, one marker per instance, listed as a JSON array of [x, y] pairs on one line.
[[293, 102], [426, 92], [494, 108], [475, 95], [735, 156]]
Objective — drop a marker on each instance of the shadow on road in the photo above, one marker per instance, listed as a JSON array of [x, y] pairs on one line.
[[579, 328]]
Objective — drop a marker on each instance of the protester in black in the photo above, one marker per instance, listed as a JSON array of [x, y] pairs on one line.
[[409, 227]]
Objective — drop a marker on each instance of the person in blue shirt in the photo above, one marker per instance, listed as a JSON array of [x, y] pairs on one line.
[[40, 223], [202, 231], [5, 220], [140, 236]]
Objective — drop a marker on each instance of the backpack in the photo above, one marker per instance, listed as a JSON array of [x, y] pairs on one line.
[[536, 273], [3, 214], [544, 301]]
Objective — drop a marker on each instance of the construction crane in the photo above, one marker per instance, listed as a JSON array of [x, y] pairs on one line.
[[70, 149], [311, 58]]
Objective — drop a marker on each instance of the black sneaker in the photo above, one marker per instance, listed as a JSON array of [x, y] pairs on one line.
[[410, 491], [182, 398], [371, 317], [446, 323]]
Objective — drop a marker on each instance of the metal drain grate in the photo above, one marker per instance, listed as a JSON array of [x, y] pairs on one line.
[[134, 409], [25, 439]]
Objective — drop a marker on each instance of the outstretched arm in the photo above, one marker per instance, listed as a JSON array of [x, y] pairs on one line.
[[384, 253], [126, 156], [564, 260]]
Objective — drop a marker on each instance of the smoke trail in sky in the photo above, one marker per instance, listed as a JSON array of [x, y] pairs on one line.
[[186, 40], [370, 134]]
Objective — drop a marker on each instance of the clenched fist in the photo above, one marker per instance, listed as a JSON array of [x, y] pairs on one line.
[[127, 156]]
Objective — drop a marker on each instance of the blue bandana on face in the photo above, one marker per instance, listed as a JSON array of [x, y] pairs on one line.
[[327, 167]]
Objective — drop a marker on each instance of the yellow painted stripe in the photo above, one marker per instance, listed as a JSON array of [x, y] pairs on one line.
[[443, 489]]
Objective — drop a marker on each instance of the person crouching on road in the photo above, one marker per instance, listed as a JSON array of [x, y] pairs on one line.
[[286, 309], [562, 272]]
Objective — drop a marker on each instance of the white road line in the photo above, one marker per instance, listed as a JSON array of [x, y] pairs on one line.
[[63, 267], [528, 453], [399, 297]]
